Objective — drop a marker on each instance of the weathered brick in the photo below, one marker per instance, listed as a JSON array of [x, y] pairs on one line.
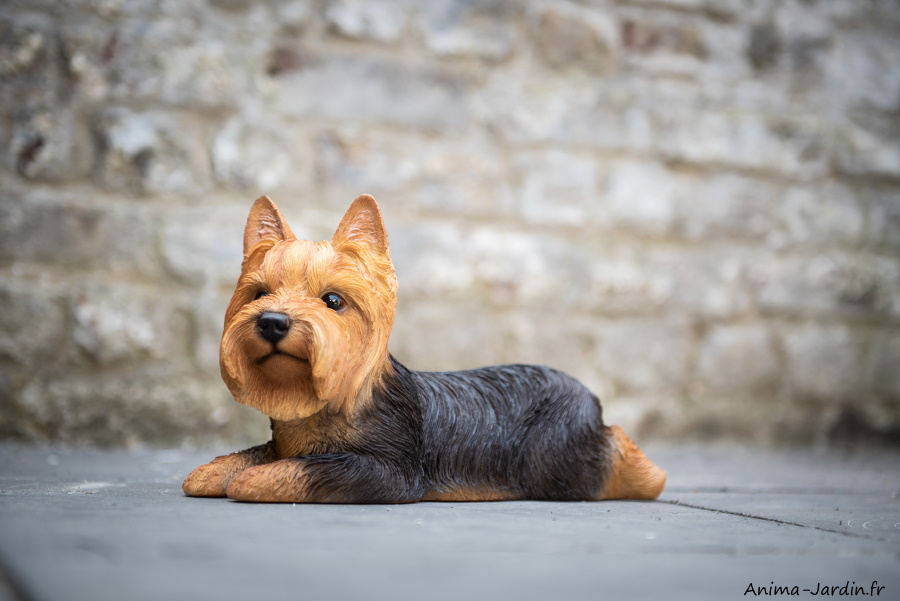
[[826, 284], [29, 63], [480, 28], [428, 258], [292, 15], [649, 198], [826, 363], [260, 153], [739, 360], [745, 140], [500, 267], [74, 232], [691, 205], [622, 283], [201, 245], [805, 51], [206, 325], [435, 335], [418, 172], [885, 359], [157, 405], [383, 165], [566, 110], [42, 137], [555, 336], [86, 54], [721, 205], [151, 151], [46, 145], [32, 308], [432, 334], [369, 90], [862, 152], [152, 54], [684, 4], [764, 46], [640, 197], [567, 36], [825, 213], [885, 216], [700, 54], [556, 187], [726, 206], [633, 279], [867, 69], [381, 21], [658, 42], [643, 355], [116, 323]]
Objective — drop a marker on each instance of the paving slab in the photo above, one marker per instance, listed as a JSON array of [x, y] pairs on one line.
[[94, 525]]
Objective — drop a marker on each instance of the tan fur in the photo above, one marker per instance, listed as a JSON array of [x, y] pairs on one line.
[[312, 435], [329, 361], [280, 482], [212, 479], [462, 495], [265, 223], [632, 476]]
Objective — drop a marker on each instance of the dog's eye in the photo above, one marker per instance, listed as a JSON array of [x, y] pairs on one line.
[[260, 294], [333, 301]]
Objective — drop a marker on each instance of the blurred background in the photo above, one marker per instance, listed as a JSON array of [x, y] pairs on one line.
[[693, 206]]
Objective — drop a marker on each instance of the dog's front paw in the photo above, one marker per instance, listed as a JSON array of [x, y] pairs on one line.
[[278, 482], [209, 480]]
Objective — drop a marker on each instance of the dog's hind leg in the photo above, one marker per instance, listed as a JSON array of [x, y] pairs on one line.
[[632, 475]]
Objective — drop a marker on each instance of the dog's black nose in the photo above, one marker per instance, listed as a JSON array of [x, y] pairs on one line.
[[273, 326]]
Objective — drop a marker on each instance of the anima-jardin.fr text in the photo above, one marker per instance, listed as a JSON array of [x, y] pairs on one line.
[[848, 589]]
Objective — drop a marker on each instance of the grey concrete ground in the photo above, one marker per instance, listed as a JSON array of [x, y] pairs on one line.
[[101, 526]]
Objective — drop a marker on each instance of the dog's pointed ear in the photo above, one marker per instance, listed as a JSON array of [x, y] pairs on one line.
[[362, 224], [265, 223]]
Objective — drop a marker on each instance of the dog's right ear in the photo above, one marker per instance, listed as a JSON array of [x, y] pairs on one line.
[[265, 223]]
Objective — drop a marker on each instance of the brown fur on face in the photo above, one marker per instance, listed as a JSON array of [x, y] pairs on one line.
[[328, 359]]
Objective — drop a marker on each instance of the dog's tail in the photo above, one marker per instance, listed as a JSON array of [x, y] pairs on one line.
[[632, 476]]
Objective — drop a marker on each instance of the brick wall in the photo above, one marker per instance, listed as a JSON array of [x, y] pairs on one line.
[[691, 205]]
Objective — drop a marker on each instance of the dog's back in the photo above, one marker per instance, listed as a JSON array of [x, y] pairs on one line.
[[522, 432], [511, 432]]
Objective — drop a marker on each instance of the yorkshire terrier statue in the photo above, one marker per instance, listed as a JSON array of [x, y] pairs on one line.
[[306, 343]]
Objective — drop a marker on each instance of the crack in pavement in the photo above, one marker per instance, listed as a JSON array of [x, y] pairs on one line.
[[784, 490], [751, 516]]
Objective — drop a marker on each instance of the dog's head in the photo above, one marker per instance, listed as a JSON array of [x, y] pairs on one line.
[[309, 322]]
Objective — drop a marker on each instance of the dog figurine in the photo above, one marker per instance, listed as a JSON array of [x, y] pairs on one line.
[[306, 343]]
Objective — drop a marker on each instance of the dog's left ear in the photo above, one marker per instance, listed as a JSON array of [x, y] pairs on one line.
[[362, 224], [265, 223]]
